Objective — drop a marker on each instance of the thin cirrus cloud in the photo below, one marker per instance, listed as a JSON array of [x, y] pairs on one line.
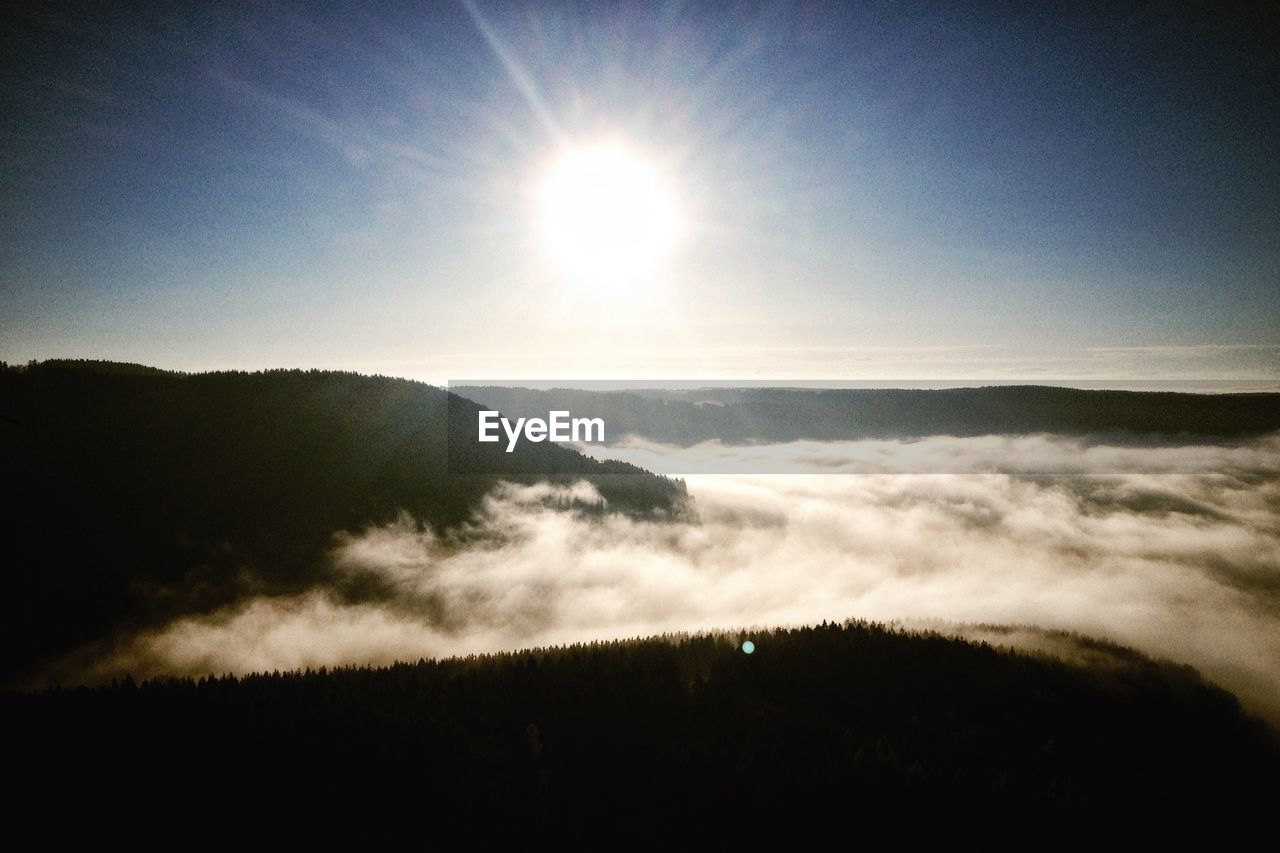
[[1183, 566]]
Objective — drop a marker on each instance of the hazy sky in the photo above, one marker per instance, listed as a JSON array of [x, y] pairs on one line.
[[948, 190]]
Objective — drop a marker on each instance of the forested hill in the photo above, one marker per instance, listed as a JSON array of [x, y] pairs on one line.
[[742, 415], [136, 494], [848, 734]]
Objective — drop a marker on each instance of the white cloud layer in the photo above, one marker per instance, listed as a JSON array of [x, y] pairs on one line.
[[1184, 566]]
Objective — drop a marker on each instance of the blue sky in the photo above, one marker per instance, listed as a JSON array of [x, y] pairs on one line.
[[911, 191]]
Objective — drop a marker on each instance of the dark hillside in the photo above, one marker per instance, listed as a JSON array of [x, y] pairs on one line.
[[855, 733], [137, 495]]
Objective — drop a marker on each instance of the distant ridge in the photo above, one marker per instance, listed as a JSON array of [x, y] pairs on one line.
[[112, 368], [763, 415]]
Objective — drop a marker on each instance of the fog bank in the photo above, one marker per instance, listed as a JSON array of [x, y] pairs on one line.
[[1182, 565]]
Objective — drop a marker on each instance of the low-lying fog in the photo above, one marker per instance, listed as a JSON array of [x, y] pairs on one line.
[[1181, 561]]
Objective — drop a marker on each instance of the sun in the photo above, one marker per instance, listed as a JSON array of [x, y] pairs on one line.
[[607, 216]]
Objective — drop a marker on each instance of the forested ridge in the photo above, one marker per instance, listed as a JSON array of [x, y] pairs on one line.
[[748, 415], [137, 495], [879, 735]]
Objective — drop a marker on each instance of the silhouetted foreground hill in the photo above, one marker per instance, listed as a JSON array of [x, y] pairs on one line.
[[880, 737], [136, 495], [735, 415]]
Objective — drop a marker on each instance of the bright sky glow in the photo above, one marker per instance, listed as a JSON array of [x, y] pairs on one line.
[[606, 215]]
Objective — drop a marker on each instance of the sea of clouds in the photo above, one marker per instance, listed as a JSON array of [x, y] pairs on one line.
[[1177, 555]]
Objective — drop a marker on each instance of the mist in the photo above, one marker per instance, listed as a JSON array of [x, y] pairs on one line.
[[1181, 564]]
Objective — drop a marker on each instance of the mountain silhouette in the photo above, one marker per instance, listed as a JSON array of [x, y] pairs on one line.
[[138, 494], [750, 415], [851, 733]]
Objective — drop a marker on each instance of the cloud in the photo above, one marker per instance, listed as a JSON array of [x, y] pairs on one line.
[[1181, 564]]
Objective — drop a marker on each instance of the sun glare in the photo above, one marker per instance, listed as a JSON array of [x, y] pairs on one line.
[[607, 216]]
